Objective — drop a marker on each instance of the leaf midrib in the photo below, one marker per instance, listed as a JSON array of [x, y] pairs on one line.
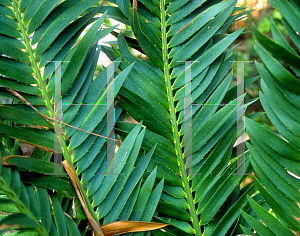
[[186, 185], [48, 105], [32, 59]]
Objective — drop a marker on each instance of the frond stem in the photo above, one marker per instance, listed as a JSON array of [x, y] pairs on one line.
[[186, 185], [48, 103], [33, 59]]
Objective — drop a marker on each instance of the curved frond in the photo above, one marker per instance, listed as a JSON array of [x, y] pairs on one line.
[[276, 159], [28, 78], [170, 33]]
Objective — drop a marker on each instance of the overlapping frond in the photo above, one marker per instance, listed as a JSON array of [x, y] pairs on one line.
[[56, 27], [177, 164], [23, 83], [170, 33], [276, 159]]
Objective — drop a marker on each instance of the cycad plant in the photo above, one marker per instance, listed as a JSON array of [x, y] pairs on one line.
[[276, 159], [177, 165]]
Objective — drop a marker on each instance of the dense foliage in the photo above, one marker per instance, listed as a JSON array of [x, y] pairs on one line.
[[177, 165]]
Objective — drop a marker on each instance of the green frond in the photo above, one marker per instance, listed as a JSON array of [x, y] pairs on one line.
[[276, 158], [177, 163]]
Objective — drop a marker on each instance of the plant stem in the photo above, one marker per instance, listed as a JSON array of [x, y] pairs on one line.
[[48, 103], [186, 185], [33, 59]]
